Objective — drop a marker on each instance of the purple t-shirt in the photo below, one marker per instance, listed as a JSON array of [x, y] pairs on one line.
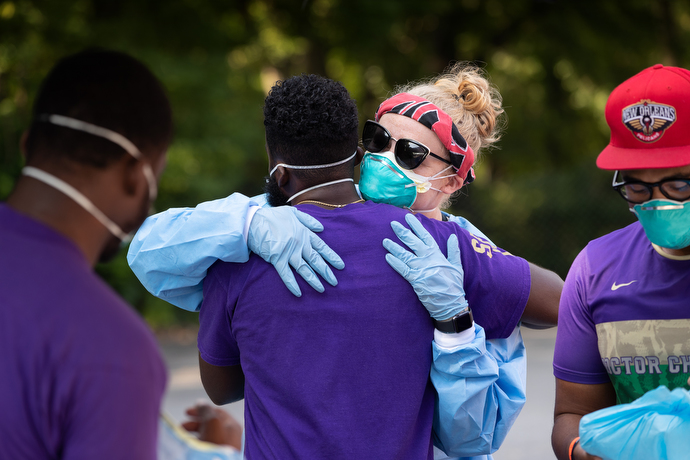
[[345, 373], [624, 316], [81, 376]]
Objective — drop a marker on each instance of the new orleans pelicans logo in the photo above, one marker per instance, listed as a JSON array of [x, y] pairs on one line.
[[648, 120]]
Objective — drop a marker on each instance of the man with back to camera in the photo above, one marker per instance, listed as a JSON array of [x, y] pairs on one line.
[[343, 373], [80, 372], [624, 318]]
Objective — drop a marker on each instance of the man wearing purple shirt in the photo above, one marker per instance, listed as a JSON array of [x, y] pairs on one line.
[[625, 309], [81, 376], [343, 373]]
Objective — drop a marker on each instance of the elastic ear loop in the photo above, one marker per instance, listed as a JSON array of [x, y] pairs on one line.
[[78, 197], [325, 184], [79, 125], [312, 166], [110, 135]]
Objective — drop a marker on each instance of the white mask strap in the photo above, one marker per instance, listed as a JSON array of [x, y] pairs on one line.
[[112, 136], [326, 184], [78, 198], [422, 210], [442, 177], [312, 166], [390, 155], [425, 181], [79, 125]]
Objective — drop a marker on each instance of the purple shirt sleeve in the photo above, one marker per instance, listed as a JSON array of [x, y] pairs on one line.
[[576, 356], [216, 341], [497, 283]]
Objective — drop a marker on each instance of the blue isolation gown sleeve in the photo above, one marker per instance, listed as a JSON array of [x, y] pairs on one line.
[[656, 425], [172, 251], [481, 389], [480, 392]]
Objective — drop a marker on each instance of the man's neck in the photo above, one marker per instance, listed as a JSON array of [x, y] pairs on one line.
[[683, 252], [57, 211], [432, 214], [335, 195]]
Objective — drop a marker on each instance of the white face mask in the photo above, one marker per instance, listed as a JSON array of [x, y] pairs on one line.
[[75, 194], [423, 183], [326, 184]]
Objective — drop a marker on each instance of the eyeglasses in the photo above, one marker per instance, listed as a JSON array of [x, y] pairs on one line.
[[637, 192], [408, 153]]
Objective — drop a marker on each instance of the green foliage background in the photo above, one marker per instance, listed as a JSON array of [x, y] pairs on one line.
[[538, 195]]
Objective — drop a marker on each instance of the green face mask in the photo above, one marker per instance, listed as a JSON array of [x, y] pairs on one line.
[[666, 223], [382, 181]]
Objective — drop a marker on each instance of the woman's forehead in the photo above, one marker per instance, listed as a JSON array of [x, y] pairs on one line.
[[402, 127]]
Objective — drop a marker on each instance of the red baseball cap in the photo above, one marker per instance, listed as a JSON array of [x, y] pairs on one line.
[[649, 117]]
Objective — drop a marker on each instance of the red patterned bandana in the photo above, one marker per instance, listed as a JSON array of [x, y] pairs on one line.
[[423, 111]]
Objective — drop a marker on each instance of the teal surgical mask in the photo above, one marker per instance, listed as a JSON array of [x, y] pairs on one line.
[[666, 223], [383, 181]]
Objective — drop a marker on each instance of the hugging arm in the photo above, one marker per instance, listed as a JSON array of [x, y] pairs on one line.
[[173, 250], [480, 384], [480, 392], [541, 311]]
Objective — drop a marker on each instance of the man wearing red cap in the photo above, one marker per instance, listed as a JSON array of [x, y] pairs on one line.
[[624, 313]]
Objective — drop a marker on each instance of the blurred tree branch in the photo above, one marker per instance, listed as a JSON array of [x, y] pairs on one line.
[[539, 194]]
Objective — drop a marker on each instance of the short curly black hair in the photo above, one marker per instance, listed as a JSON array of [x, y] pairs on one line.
[[311, 120]]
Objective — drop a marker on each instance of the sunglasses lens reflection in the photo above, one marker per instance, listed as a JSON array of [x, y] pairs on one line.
[[409, 153], [374, 137]]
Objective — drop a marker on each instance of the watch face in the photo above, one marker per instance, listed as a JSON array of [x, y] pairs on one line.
[[463, 321], [457, 323]]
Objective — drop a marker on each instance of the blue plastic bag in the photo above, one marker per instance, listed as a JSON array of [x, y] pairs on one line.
[[655, 426]]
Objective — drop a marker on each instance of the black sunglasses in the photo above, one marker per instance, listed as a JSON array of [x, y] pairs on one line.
[[637, 192], [408, 153]]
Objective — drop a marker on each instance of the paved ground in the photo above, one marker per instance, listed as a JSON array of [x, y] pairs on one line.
[[528, 440]]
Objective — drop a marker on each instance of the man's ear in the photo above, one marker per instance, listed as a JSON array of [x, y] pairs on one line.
[[282, 176], [22, 143], [133, 178], [359, 156]]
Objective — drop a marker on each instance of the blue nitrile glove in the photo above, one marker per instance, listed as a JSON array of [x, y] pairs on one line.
[[656, 425], [283, 237], [437, 281]]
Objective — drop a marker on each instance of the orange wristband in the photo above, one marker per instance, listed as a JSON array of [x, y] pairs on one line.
[[573, 443]]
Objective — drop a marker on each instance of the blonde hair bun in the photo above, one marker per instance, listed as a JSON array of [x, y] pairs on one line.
[[465, 93]]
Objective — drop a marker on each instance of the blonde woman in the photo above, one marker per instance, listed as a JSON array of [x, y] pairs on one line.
[[475, 108], [420, 150]]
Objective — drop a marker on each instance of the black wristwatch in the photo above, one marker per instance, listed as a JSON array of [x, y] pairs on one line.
[[458, 323]]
